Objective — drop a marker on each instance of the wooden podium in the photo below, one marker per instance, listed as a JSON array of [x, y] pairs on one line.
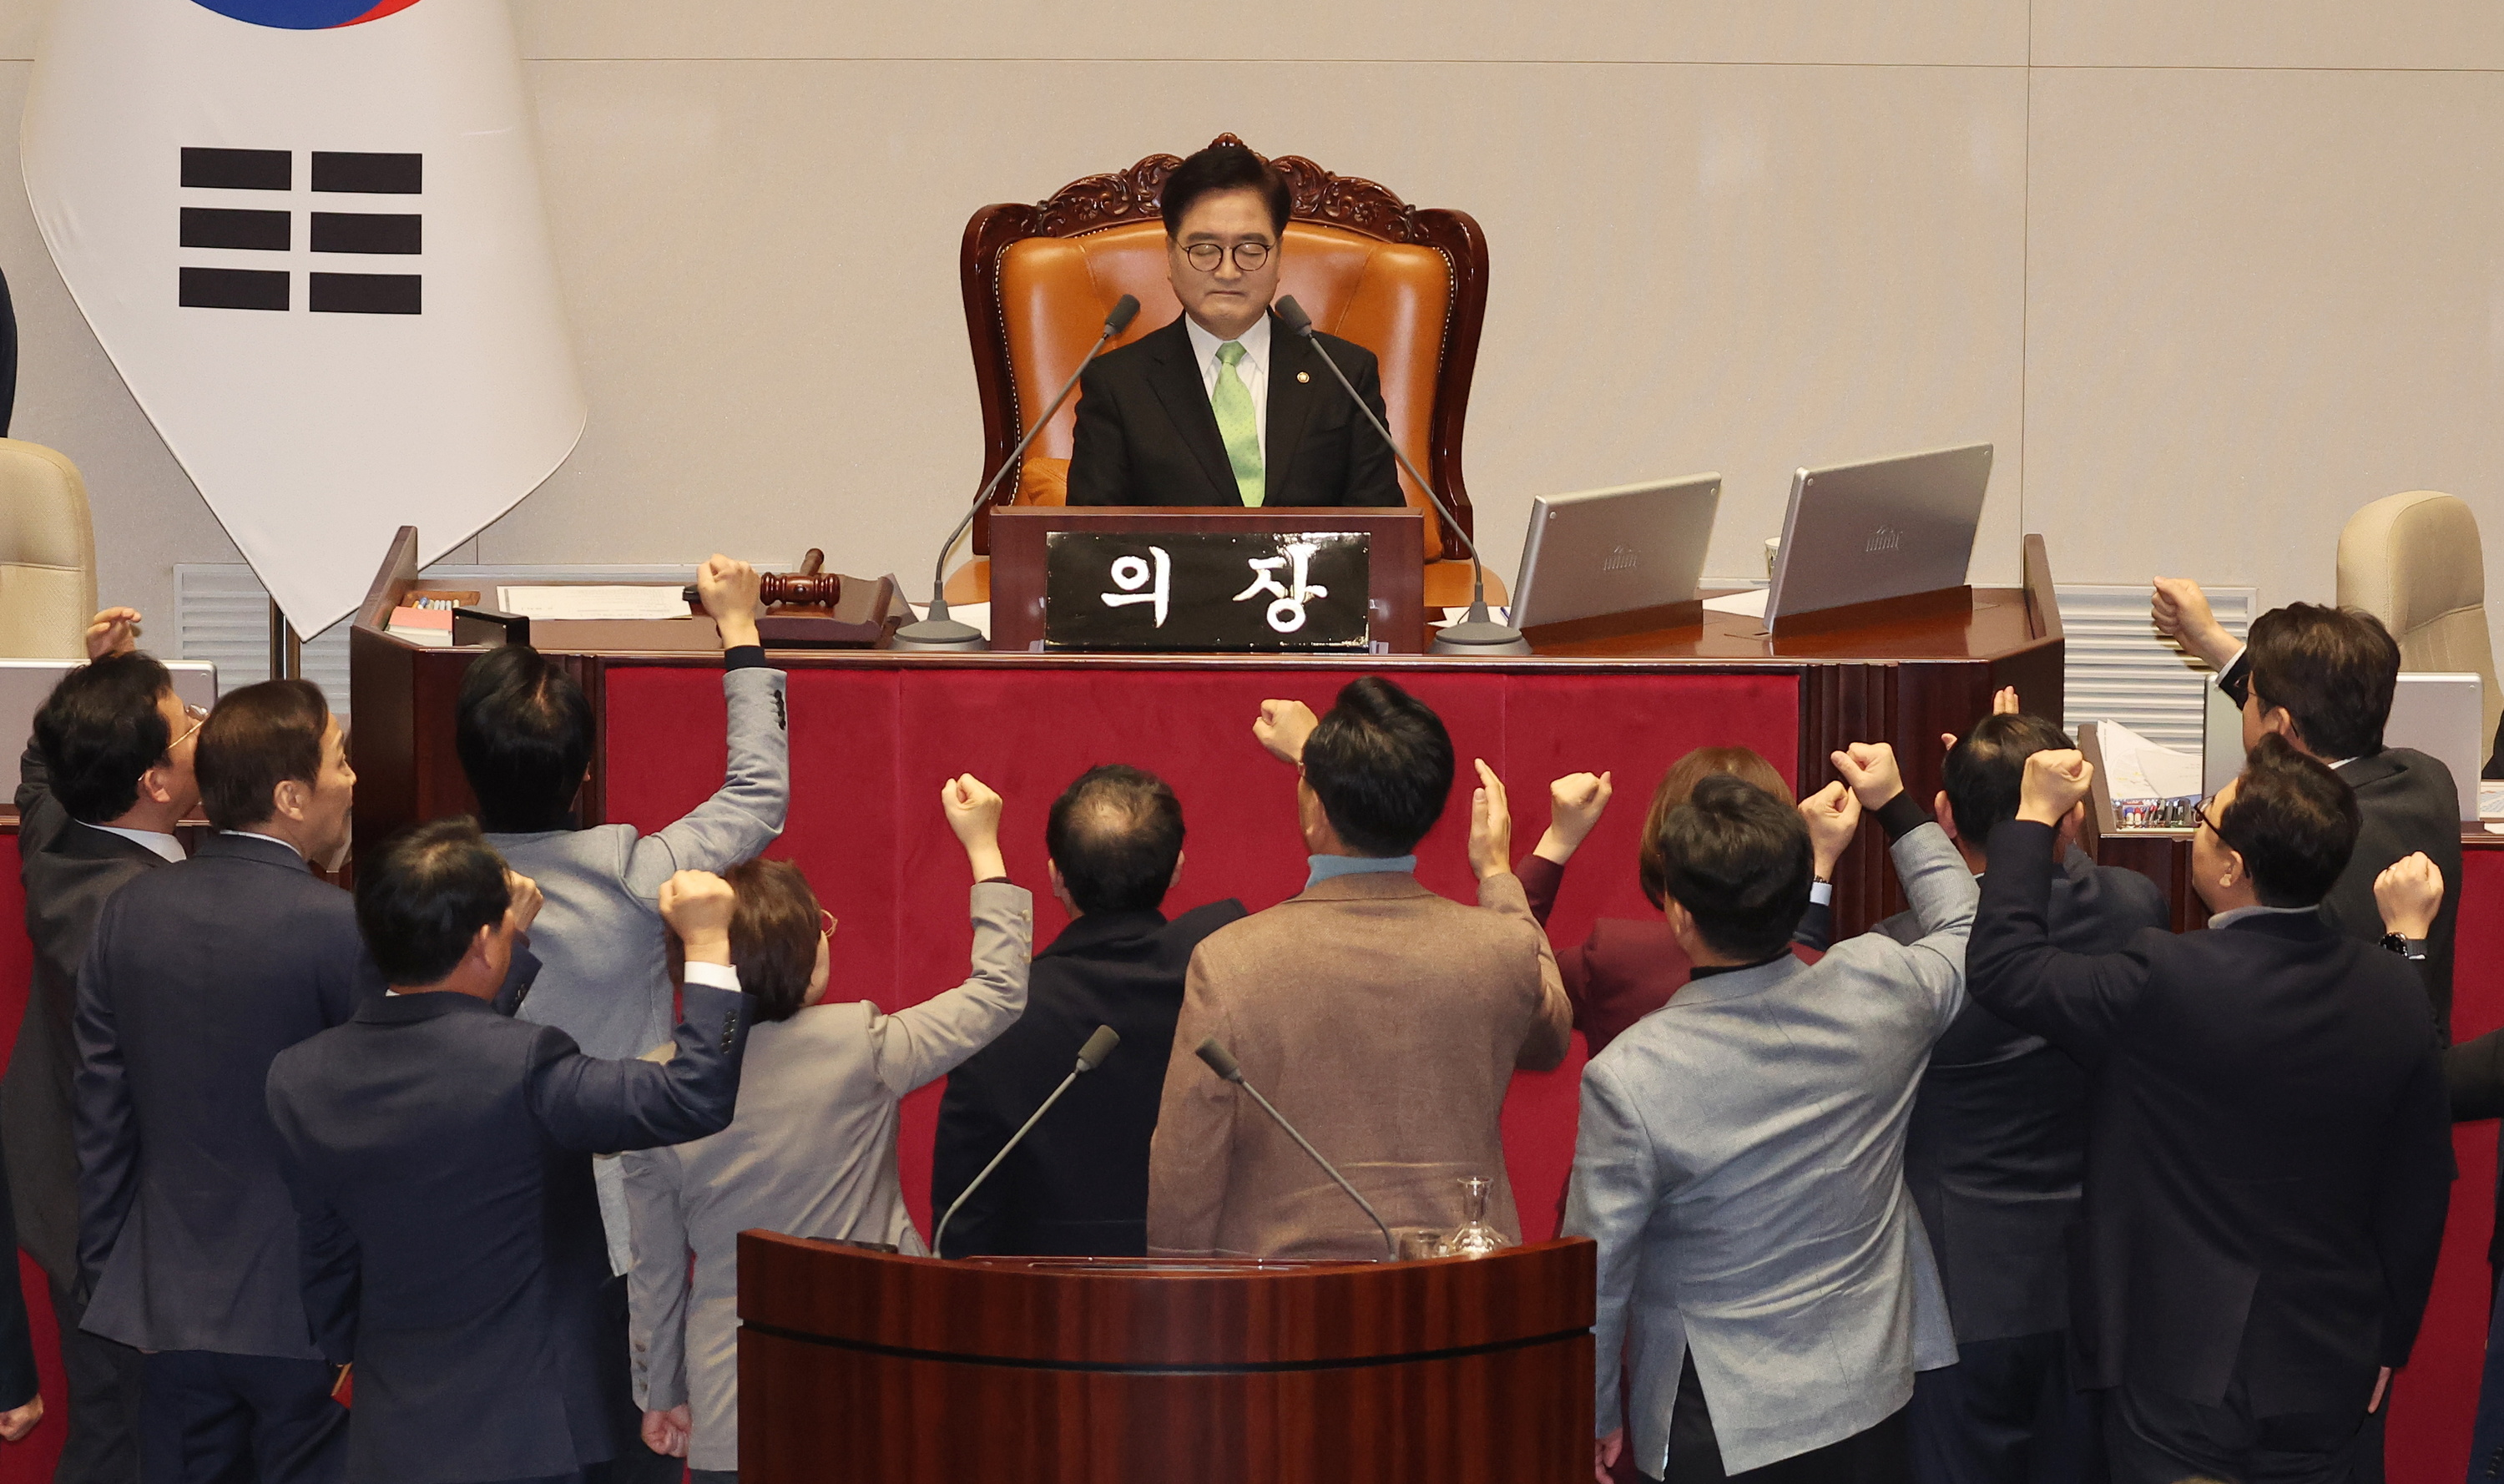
[[882, 1370]]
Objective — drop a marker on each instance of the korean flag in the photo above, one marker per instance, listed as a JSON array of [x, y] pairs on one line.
[[309, 233]]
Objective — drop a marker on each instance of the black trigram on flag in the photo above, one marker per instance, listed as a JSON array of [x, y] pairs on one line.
[[273, 230]]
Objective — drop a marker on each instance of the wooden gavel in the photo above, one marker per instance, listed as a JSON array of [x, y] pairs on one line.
[[810, 587]]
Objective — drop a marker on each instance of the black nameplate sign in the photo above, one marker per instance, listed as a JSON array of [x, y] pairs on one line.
[[1276, 591]]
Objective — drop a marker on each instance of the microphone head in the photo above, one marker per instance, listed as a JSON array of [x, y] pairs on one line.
[[1220, 1061], [1099, 1047], [1125, 310], [1292, 314]]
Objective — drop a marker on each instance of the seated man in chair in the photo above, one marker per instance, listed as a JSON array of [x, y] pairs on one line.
[[1223, 407]]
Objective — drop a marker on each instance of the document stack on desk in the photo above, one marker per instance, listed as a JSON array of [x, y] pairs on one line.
[[2150, 786]]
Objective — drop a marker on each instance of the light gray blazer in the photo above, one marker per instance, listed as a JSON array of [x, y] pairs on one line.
[[600, 938], [811, 1154], [1741, 1163]]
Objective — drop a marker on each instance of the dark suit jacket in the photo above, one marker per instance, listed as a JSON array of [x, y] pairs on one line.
[[17, 1379], [68, 870], [2407, 803], [199, 976], [2269, 1152], [1147, 437], [451, 1237], [1078, 1186], [1997, 1142]]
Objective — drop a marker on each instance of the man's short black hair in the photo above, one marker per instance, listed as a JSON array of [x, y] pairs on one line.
[[258, 738], [1224, 167], [1737, 859], [524, 732], [1381, 763], [99, 730], [2333, 669], [1986, 768], [1116, 834], [2294, 822], [423, 897]]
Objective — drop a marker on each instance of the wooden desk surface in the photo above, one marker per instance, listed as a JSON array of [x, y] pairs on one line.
[[1997, 625]]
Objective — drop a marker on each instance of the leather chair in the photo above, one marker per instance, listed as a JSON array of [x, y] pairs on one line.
[[1407, 283], [2413, 560], [47, 555]]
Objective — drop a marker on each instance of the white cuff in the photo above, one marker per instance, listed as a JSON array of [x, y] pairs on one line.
[[1820, 894], [718, 976]]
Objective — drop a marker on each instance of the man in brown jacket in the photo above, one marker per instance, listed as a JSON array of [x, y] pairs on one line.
[[1384, 1021]]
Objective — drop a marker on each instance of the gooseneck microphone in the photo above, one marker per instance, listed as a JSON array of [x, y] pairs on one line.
[[1223, 1065], [1090, 1056], [936, 630], [1478, 632]]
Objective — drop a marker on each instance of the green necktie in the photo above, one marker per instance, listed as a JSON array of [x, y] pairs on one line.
[[1231, 400]]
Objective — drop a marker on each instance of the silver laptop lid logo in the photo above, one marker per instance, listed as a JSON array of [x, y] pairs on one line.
[[1884, 538], [1621, 559]]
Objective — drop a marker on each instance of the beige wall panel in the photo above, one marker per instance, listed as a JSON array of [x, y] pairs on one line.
[[1919, 31], [2448, 34], [1693, 267], [147, 515], [2258, 302]]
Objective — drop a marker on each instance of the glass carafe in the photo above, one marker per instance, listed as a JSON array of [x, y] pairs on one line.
[[1476, 1238]]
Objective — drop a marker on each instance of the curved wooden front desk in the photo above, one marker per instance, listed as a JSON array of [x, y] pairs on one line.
[[864, 1367]]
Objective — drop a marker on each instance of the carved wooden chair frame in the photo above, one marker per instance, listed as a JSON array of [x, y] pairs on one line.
[[1345, 201]]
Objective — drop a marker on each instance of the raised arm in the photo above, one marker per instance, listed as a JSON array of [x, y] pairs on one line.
[[1616, 1187], [923, 1042], [598, 1106], [1935, 878], [2410, 895], [2182, 613], [2076, 1001], [1552, 1023], [746, 815], [1574, 804], [1833, 817]]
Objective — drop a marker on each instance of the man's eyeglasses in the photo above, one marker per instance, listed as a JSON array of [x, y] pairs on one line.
[[1206, 256], [198, 716], [2200, 815]]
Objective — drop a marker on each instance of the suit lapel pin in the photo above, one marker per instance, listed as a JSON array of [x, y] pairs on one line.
[[1303, 376]]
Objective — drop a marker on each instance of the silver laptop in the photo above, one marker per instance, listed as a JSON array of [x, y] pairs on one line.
[[1613, 551], [25, 684], [2444, 715], [1886, 528]]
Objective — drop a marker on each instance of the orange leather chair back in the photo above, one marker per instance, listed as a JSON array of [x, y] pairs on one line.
[[1393, 299]]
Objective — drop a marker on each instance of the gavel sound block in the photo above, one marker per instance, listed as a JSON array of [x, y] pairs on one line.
[[816, 609]]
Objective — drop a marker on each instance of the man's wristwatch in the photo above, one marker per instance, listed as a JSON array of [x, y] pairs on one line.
[[2405, 947]]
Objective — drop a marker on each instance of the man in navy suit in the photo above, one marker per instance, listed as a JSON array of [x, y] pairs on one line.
[[199, 974], [1222, 407], [2269, 1157], [452, 1244]]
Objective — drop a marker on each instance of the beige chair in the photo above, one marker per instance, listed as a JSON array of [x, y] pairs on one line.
[[2413, 560], [47, 555]]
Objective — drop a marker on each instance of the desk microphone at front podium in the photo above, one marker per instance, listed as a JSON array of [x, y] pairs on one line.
[[937, 630], [1478, 632]]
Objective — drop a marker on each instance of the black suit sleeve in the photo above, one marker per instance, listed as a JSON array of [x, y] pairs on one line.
[[329, 1263], [1099, 449], [972, 1129], [2473, 1074], [603, 1107], [2409, 1210], [17, 1382], [107, 1132], [1816, 928], [2076, 1001], [1373, 473], [2237, 681]]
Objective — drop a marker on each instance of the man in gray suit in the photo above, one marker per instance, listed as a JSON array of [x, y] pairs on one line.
[[525, 734], [1741, 1154]]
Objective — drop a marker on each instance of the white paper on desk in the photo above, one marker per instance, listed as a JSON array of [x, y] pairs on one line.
[[977, 615], [1748, 605], [2490, 801], [2135, 767], [594, 602]]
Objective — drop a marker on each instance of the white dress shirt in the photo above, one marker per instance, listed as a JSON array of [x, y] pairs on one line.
[[166, 845], [1253, 370]]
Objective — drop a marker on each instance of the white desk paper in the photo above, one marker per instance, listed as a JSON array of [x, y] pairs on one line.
[[591, 602]]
